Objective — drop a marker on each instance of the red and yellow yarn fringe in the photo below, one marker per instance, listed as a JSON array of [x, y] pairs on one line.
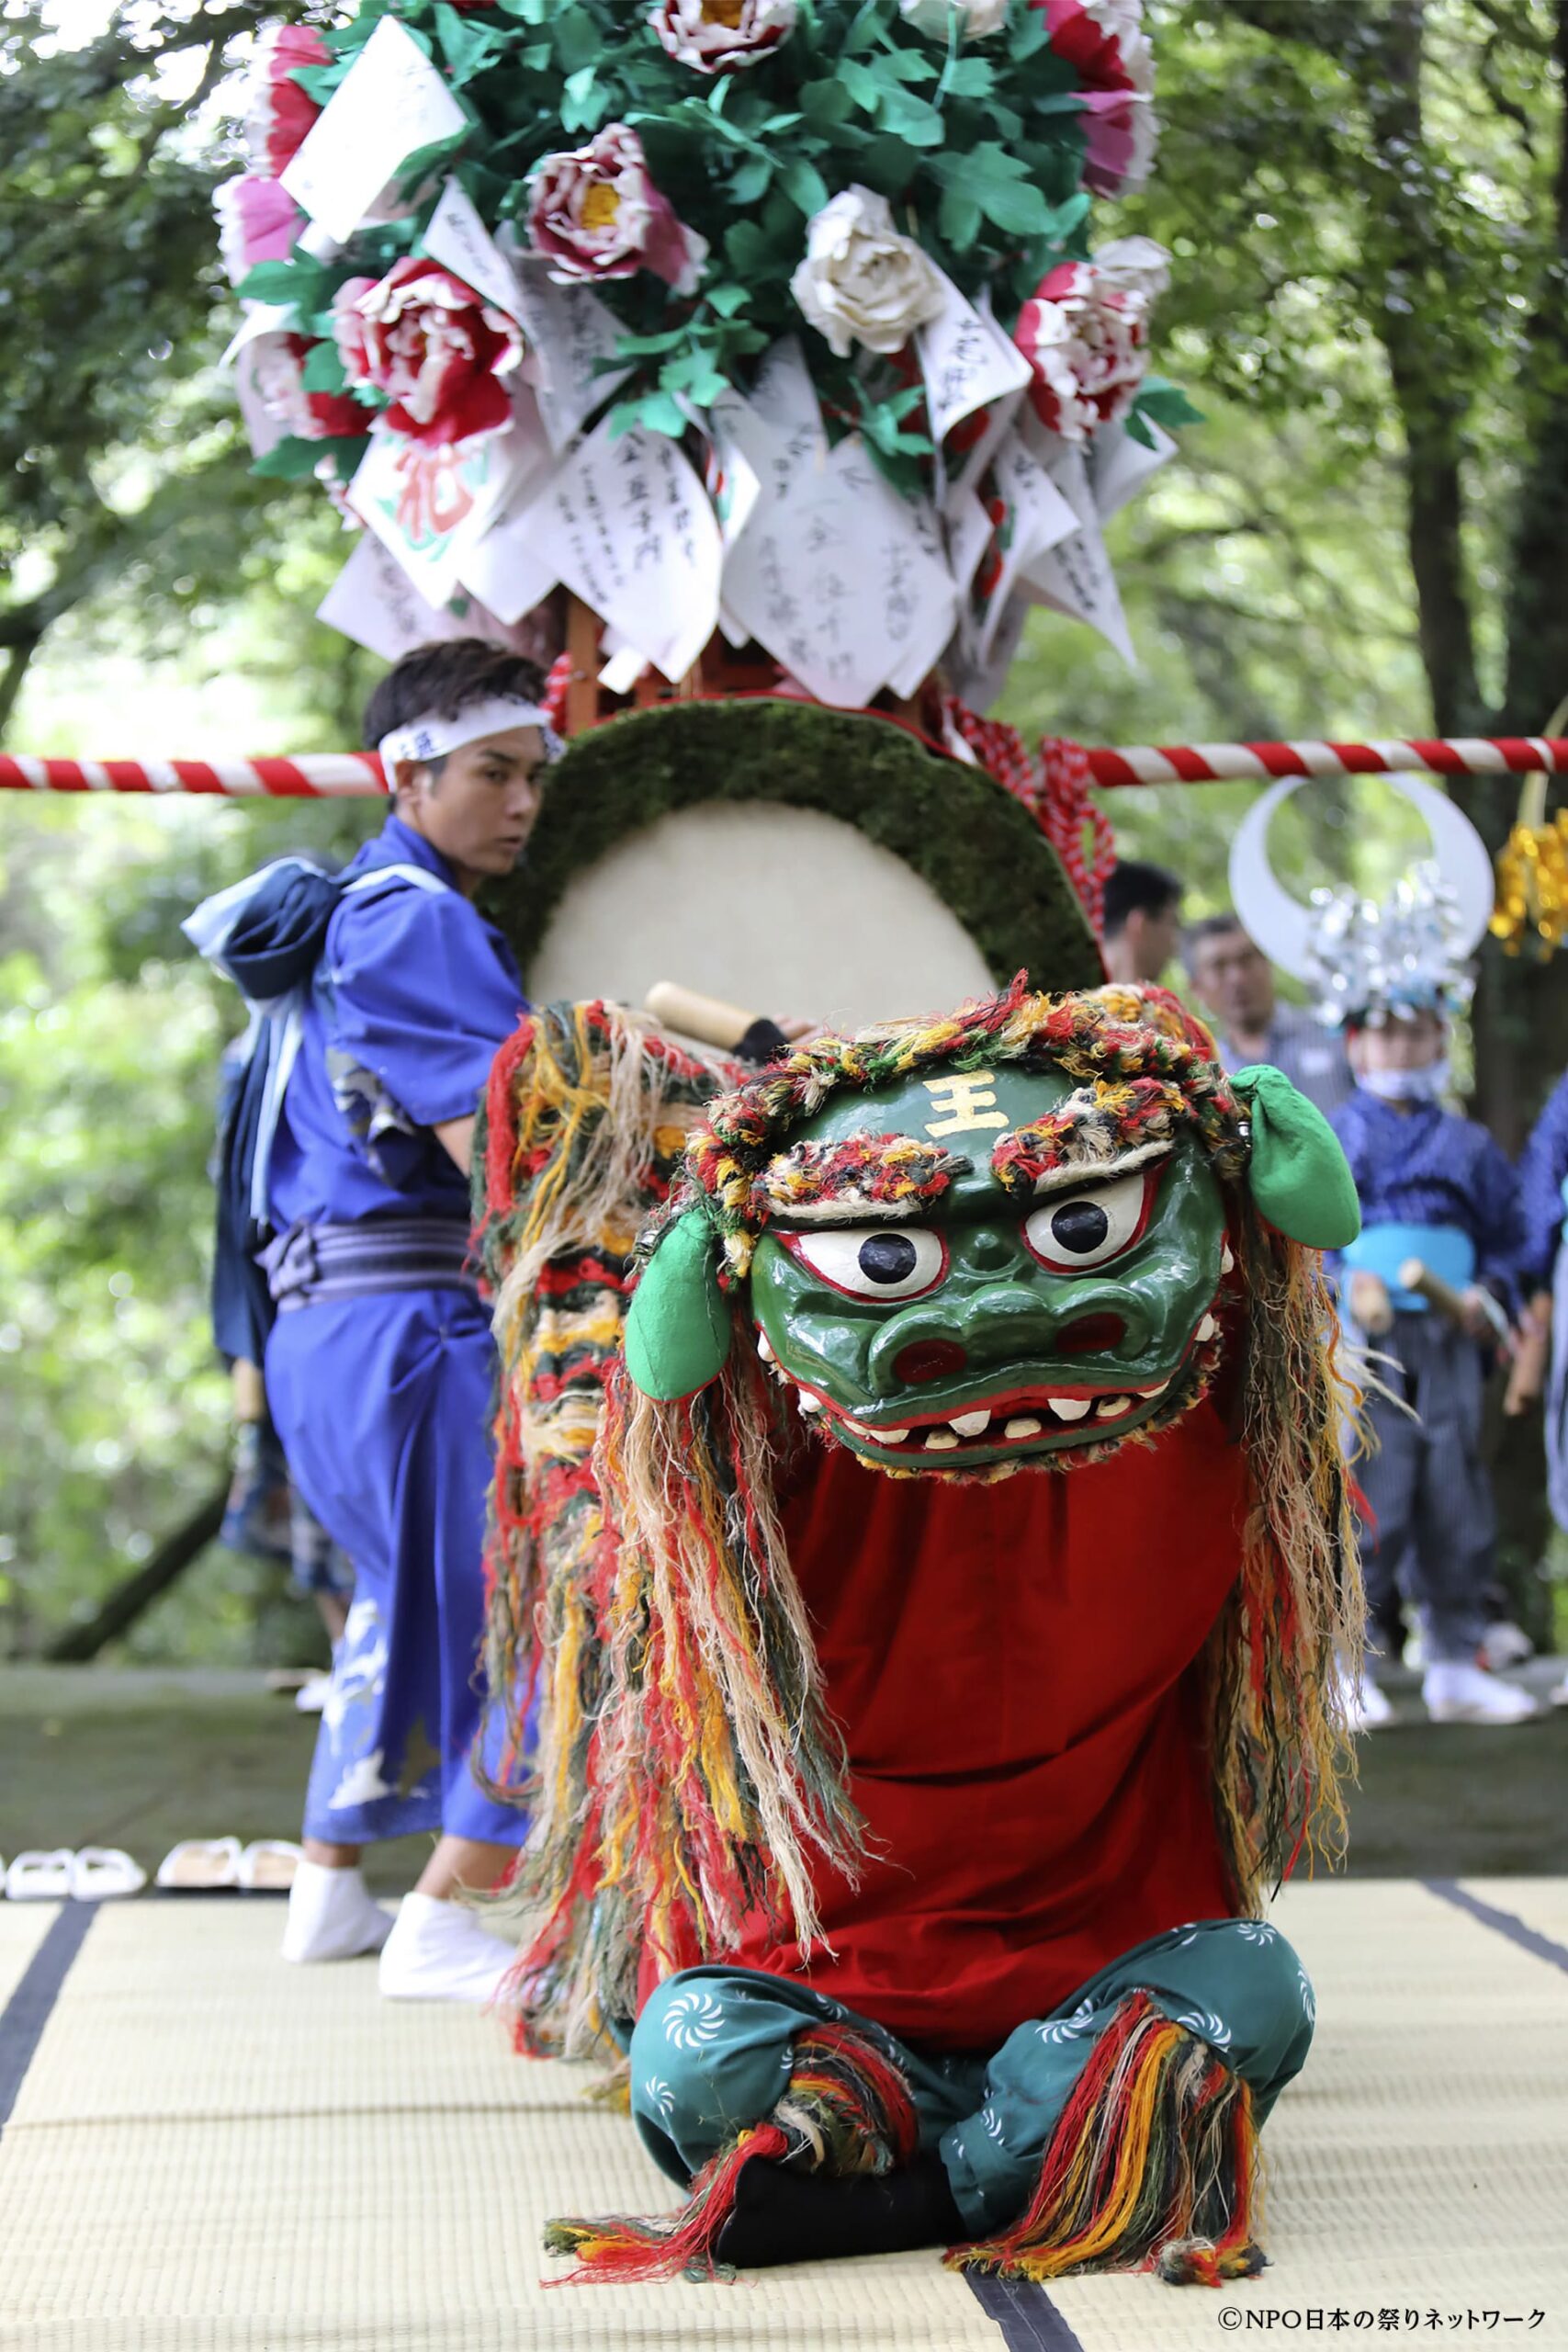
[[847, 2109], [1151, 2165]]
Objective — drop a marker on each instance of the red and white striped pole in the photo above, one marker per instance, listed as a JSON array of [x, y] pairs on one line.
[[334, 775]]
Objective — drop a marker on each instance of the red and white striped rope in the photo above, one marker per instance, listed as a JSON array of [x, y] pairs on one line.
[[1226, 762], [333, 774]]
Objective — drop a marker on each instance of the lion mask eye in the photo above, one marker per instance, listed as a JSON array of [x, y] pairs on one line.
[[1075, 1230], [872, 1260]]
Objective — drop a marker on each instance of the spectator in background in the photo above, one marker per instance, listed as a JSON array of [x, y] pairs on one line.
[[1142, 921], [1234, 982], [1543, 1275]]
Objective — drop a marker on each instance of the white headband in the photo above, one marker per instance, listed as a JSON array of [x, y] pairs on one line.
[[430, 736]]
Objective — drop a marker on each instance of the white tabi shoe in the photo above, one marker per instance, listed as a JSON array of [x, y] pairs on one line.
[[332, 1914], [1458, 1692], [438, 1951]]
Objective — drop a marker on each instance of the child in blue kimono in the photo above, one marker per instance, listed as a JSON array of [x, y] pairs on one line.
[[379, 1363], [1437, 1187]]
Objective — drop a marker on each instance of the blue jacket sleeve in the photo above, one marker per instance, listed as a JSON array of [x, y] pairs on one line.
[[424, 992], [1500, 1233], [1543, 1167]]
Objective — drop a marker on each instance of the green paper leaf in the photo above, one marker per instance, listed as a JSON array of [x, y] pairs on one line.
[[293, 459], [655, 412], [578, 40], [911, 119], [1017, 207], [1166, 403], [958, 217], [1137, 429], [826, 103], [466, 44], [750, 180], [324, 371], [727, 300], [748, 251], [908, 65], [805, 185], [426, 162], [304, 283], [970, 77], [864, 89]]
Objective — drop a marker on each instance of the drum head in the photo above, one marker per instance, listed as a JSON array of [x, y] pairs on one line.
[[789, 859]]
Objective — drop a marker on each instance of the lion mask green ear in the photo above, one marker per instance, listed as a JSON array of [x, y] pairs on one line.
[[678, 1326], [1299, 1175]]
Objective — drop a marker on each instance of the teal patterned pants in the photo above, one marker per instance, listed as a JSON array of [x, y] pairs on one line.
[[713, 2048]]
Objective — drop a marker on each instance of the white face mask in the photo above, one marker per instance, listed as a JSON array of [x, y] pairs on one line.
[[1426, 1085]]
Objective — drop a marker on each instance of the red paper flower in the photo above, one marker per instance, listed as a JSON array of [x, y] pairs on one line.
[[437, 348], [594, 213], [715, 36], [279, 368], [1084, 332], [1105, 43], [277, 112]]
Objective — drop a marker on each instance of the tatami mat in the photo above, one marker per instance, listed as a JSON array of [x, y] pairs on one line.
[[214, 2153], [23, 1926]]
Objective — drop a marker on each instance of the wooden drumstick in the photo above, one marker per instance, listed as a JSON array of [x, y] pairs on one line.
[[706, 1018], [1416, 1275]]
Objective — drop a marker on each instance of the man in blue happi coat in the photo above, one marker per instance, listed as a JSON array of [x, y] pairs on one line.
[[381, 996]]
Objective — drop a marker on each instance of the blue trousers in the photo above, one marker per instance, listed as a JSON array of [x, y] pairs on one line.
[[383, 1406], [1435, 1525], [713, 2048]]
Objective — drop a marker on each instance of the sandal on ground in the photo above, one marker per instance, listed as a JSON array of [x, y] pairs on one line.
[[268, 1864], [36, 1876], [201, 1866], [105, 1874]]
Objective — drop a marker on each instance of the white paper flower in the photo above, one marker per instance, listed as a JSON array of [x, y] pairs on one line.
[[980, 18], [717, 36], [861, 281], [1084, 333]]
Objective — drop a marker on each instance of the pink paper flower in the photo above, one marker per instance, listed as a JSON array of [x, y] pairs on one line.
[[278, 373], [594, 213], [257, 220], [717, 36], [277, 112], [1084, 333], [434, 345], [1105, 43]]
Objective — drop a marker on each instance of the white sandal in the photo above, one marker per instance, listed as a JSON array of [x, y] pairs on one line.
[[201, 1866], [36, 1876], [268, 1864], [105, 1874]]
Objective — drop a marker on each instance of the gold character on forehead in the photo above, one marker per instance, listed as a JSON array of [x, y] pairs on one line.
[[966, 1102]]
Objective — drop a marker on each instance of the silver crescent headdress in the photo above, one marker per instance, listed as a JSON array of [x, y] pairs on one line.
[[1366, 960]]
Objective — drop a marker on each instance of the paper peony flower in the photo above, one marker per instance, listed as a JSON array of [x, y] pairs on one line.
[[277, 112], [717, 36], [278, 367], [1105, 43], [861, 281], [1084, 332], [594, 213], [257, 220], [433, 345], [981, 19]]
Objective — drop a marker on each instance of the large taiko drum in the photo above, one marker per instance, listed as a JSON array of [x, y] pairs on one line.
[[786, 858]]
